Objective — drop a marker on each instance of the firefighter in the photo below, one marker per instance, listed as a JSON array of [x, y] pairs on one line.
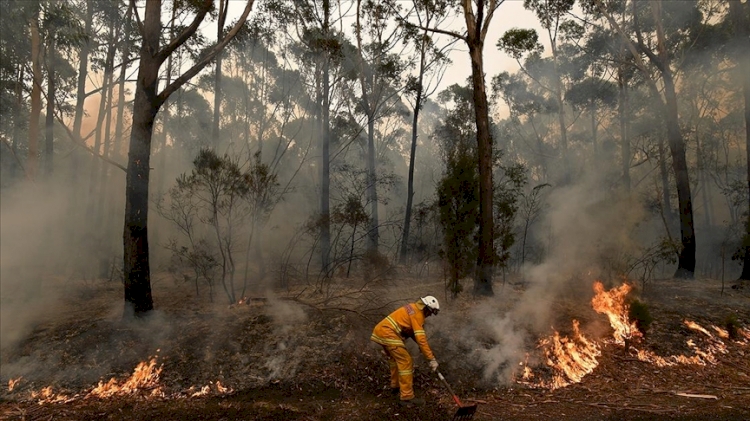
[[406, 322]]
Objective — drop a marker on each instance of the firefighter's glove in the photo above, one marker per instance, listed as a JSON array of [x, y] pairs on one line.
[[433, 365]]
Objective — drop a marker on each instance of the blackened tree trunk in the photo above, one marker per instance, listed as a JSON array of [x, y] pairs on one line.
[[668, 103], [137, 275], [739, 12], [686, 258], [138, 299]]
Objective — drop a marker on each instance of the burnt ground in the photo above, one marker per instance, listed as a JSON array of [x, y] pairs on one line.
[[284, 360]]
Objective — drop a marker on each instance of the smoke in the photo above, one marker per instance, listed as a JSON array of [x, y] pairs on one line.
[[287, 352], [585, 228]]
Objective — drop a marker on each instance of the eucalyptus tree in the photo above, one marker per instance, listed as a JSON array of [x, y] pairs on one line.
[[379, 68], [320, 53], [739, 14], [551, 15], [666, 29], [431, 61], [148, 100], [477, 16], [14, 47]]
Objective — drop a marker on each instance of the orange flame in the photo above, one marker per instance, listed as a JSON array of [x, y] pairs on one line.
[[145, 377], [12, 383], [612, 303], [571, 358], [46, 395]]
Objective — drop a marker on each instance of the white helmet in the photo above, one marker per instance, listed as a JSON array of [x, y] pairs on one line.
[[431, 302]]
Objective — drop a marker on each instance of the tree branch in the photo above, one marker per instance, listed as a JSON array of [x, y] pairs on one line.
[[82, 143], [141, 30], [203, 62], [186, 33]]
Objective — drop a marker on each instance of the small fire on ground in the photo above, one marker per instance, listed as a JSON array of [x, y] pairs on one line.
[[570, 358], [143, 382]]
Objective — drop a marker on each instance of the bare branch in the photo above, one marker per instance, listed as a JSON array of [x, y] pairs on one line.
[[203, 62], [186, 33]]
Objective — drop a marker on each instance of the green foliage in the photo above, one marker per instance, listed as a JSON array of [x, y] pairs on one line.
[[508, 190], [638, 312], [518, 42], [458, 200]]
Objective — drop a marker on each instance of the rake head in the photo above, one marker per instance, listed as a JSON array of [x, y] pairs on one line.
[[465, 413]]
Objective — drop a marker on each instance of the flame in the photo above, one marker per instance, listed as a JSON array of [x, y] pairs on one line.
[[12, 383], [206, 390], [46, 395], [571, 358], [145, 377], [612, 303]]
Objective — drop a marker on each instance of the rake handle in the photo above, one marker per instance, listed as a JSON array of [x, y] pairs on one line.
[[445, 382]]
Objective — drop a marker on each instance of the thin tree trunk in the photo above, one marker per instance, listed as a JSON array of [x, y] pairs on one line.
[[592, 110], [622, 113], [413, 150], [223, 6], [372, 191], [49, 148], [686, 259], [561, 116], [325, 192], [17, 126], [36, 95], [410, 183], [742, 35]]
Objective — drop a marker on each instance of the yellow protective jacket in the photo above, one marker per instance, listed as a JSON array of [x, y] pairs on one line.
[[406, 322]]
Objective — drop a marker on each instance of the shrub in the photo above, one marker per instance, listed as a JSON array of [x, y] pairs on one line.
[[639, 313]]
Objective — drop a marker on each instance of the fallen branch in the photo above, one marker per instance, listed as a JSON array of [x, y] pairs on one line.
[[693, 395], [631, 408]]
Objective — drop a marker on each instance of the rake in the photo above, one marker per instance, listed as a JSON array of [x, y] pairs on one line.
[[464, 413]]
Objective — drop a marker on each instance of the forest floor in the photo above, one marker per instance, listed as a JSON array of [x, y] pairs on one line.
[[281, 357]]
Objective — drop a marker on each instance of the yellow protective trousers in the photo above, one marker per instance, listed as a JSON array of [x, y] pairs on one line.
[[402, 370]]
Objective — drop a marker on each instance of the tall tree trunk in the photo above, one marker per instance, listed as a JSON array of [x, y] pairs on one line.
[[372, 191], [49, 148], [83, 67], [96, 163], [561, 116], [325, 182], [664, 176], [137, 282], [223, 6], [476, 31], [137, 275], [485, 263], [740, 21], [686, 259], [592, 111], [410, 182], [622, 114], [17, 126], [413, 150], [36, 94]]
